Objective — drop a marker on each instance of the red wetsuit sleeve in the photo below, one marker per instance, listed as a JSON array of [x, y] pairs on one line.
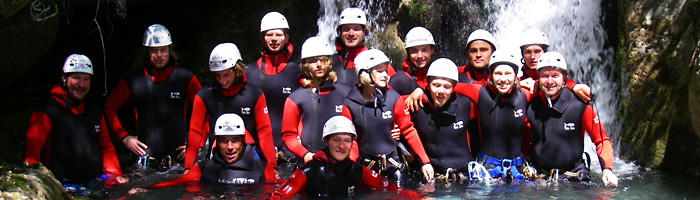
[[267, 145], [409, 133], [194, 175], [603, 148], [390, 70], [354, 150], [290, 129], [527, 93], [374, 180], [295, 184], [192, 88], [470, 91], [114, 101], [39, 128], [199, 128], [569, 83], [110, 162]]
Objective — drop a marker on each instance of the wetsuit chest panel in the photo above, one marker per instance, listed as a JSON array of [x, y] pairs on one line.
[[373, 125], [75, 154], [556, 137], [322, 181], [161, 110], [501, 123], [345, 75], [315, 109], [402, 83], [276, 88], [242, 103], [444, 135], [247, 171]]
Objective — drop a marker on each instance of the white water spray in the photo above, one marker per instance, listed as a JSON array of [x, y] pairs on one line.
[[329, 15]]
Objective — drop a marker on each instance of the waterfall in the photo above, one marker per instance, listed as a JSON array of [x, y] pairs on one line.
[[329, 15]]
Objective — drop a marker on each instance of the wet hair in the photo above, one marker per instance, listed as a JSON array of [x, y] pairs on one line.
[[308, 81], [239, 69]]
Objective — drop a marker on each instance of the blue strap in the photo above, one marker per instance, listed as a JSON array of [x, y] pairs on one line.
[[513, 162], [502, 165]]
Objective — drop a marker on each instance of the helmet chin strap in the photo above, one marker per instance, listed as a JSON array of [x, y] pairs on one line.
[[549, 97]]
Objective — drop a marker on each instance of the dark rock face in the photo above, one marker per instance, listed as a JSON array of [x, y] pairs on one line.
[[658, 57]]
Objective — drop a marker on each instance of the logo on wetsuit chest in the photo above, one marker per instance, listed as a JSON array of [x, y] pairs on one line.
[[570, 126], [97, 128], [237, 181], [458, 125], [286, 90], [338, 108], [174, 95], [518, 113], [245, 110], [387, 115]]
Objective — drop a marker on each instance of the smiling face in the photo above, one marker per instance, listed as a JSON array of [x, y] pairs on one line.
[[225, 77], [420, 56], [230, 147], [551, 81], [77, 85], [339, 145], [159, 56], [479, 53], [380, 76], [275, 40], [531, 54], [503, 78], [352, 35], [440, 91]]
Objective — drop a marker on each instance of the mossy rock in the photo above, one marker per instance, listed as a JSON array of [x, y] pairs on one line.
[[30, 182]]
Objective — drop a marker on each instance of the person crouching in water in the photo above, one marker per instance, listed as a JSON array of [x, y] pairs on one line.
[[233, 164], [375, 109], [331, 173]]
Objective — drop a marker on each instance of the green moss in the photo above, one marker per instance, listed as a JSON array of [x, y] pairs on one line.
[[417, 10]]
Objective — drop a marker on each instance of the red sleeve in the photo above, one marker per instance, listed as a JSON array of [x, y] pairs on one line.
[[603, 147], [194, 175], [114, 101], [295, 184], [199, 129], [470, 91], [192, 88], [354, 150], [569, 83], [409, 133], [110, 162], [374, 180], [39, 128], [390, 70], [267, 145], [291, 123]]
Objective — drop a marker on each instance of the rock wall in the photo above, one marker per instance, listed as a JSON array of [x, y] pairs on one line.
[[658, 57]]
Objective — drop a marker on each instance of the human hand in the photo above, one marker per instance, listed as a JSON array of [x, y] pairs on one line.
[[396, 133], [121, 179], [582, 91], [609, 178], [528, 84], [137, 191], [428, 172], [181, 155], [134, 145], [413, 101], [308, 157]]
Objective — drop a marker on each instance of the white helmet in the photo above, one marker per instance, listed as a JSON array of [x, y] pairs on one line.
[[229, 124], [77, 63], [368, 59], [353, 16], [419, 36], [224, 56], [505, 57], [315, 46], [339, 124], [481, 34], [156, 35], [534, 36], [443, 67], [552, 59], [273, 20]]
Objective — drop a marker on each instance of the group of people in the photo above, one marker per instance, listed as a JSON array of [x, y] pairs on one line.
[[345, 117]]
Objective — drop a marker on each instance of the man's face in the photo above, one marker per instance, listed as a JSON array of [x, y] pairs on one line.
[[380, 76], [225, 77], [440, 91], [159, 56], [531, 54], [352, 35], [551, 81], [479, 53], [503, 78], [318, 66], [339, 145], [230, 147], [275, 40], [420, 56], [78, 85]]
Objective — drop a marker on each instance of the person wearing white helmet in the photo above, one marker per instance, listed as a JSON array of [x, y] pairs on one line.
[[275, 74], [331, 173], [442, 124], [69, 135], [375, 108], [233, 163], [499, 103], [320, 99], [420, 47], [161, 94], [352, 29], [480, 45], [556, 114], [231, 94]]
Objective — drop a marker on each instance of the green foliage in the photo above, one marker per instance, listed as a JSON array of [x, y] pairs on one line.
[[417, 10]]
